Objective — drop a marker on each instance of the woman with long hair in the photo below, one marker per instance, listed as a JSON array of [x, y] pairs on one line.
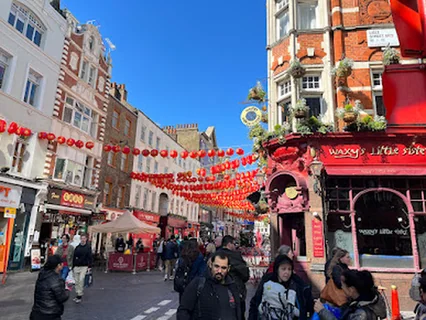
[[338, 264], [365, 302], [210, 250]]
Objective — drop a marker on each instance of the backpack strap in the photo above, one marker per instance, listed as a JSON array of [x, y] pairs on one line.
[[200, 287]]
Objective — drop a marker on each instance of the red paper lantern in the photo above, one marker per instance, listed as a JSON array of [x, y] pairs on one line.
[[173, 154], [211, 153], [221, 153], [154, 153], [240, 151], [136, 152], [107, 148], [184, 154], [226, 177], [164, 153], [26, 132], [19, 131], [3, 125], [90, 145], [202, 153], [193, 154], [61, 140], [145, 152], [244, 162], [70, 141], [50, 136], [116, 148], [79, 144], [230, 152], [42, 135], [12, 127], [126, 150]]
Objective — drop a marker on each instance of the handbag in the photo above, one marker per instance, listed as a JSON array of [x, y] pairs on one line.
[[334, 295], [88, 279]]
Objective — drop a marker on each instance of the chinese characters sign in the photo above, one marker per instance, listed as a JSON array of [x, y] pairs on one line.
[[317, 238]]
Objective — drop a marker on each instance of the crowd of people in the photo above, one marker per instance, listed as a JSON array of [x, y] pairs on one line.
[[211, 278]]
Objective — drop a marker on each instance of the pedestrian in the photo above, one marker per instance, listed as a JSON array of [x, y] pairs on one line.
[[160, 254], [282, 250], [218, 242], [82, 263], [327, 264], [190, 265], [212, 296], [50, 293], [170, 256], [239, 271], [366, 303], [139, 246], [279, 295], [338, 264], [66, 252], [210, 250], [130, 244], [120, 246]]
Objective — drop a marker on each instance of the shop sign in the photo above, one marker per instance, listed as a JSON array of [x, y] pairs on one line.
[[10, 196], [383, 231], [120, 262], [374, 154], [10, 213], [317, 238], [176, 223], [382, 38], [251, 116], [147, 217], [72, 199]]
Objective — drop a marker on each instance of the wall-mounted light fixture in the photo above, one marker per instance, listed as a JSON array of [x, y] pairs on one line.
[[316, 167]]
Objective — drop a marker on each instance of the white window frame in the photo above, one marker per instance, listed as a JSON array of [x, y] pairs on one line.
[[313, 81], [150, 138], [281, 4], [283, 11], [145, 198], [143, 133], [280, 106], [127, 128], [33, 82], [307, 3], [157, 143], [153, 201], [28, 19], [148, 165], [318, 95], [284, 89], [117, 124], [84, 69], [156, 167], [89, 171], [77, 167], [377, 90], [138, 194], [5, 60], [85, 114], [120, 196], [123, 160], [20, 147], [110, 159], [140, 163], [92, 76]]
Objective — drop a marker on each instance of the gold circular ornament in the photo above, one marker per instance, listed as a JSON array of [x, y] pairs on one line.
[[291, 192], [251, 116]]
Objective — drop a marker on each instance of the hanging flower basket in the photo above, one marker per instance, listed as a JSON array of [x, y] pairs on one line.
[[350, 117], [296, 69], [344, 68], [264, 118], [300, 114]]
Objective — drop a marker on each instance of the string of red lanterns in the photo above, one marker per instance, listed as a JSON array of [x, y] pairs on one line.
[[14, 128]]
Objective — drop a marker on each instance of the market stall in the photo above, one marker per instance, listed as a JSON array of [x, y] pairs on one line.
[[127, 223]]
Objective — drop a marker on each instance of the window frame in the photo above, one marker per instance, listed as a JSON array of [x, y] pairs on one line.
[[79, 108], [28, 19], [124, 160], [108, 195], [284, 90], [34, 82], [145, 198], [91, 78], [127, 127], [18, 162], [312, 75], [298, 13], [153, 201], [117, 125], [377, 90], [151, 138], [5, 64], [138, 195], [67, 163], [143, 133]]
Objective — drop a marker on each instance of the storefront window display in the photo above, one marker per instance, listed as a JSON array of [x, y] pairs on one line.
[[370, 217]]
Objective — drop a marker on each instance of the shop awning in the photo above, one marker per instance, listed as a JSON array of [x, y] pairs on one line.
[[69, 209], [126, 223], [369, 170]]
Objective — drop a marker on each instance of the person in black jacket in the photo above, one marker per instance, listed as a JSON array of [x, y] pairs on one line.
[[213, 296], [297, 302], [338, 264], [81, 264], [239, 271], [50, 293]]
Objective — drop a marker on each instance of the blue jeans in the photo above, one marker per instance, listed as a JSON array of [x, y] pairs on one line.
[[64, 272]]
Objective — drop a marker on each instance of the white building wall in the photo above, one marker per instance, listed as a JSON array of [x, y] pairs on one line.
[[22, 56], [177, 205]]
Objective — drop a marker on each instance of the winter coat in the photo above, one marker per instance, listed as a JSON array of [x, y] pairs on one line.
[[303, 296], [198, 268], [83, 256], [337, 272], [360, 309], [239, 271], [215, 301], [120, 246], [49, 294], [70, 254], [327, 264], [170, 250]]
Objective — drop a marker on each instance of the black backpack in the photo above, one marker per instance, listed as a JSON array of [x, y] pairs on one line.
[[181, 276]]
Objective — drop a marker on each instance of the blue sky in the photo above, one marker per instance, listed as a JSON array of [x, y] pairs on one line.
[[187, 61]]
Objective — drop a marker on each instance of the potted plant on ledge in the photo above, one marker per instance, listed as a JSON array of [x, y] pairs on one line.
[[348, 113], [300, 109], [296, 69], [390, 56], [344, 68], [257, 93]]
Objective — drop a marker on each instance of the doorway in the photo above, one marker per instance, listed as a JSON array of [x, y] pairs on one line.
[[164, 204]]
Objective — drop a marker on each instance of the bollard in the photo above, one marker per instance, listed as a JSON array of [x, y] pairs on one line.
[[107, 260], [396, 313], [149, 261], [134, 262]]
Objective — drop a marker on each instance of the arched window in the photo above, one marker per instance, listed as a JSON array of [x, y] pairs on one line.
[[27, 23]]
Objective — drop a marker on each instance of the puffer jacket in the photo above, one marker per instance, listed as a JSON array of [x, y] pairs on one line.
[[50, 294], [361, 309]]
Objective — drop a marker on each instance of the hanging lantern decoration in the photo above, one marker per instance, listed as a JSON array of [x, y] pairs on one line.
[[145, 152], [50, 136], [3, 125], [60, 139], [26, 132], [79, 144], [164, 153], [230, 152], [126, 150], [184, 154], [202, 153], [42, 135], [211, 153], [221, 153], [173, 154], [136, 151], [13, 127], [193, 154], [154, 153], [239, 151], [90, 145], [116, 148], [244, 161], [107, 148], [70, 141], [226, 177]]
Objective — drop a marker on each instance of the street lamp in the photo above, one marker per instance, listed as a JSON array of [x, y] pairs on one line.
[[316, 168]]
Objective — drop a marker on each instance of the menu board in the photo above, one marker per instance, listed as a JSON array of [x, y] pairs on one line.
[[317, 238]]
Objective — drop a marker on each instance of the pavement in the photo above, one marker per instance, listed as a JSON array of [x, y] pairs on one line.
[[113, 296]]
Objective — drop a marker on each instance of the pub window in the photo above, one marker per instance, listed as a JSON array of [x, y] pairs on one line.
[[339, 233], [284, 110], [282, 20], [307, 15], [377, 87], [69, 171], [420, 224], [284, 88], [314, 104]]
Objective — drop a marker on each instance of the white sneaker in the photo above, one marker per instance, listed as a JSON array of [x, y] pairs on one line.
[[172, 277]]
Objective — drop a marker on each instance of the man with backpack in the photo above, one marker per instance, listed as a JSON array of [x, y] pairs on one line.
[[212, 296]]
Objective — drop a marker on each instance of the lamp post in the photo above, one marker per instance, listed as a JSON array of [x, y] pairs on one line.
[[316, 168]]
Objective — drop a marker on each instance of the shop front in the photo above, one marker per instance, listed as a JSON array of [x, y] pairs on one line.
[[147, 238], [363, 192], [66, 212], [193, 230], [171, 225]]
